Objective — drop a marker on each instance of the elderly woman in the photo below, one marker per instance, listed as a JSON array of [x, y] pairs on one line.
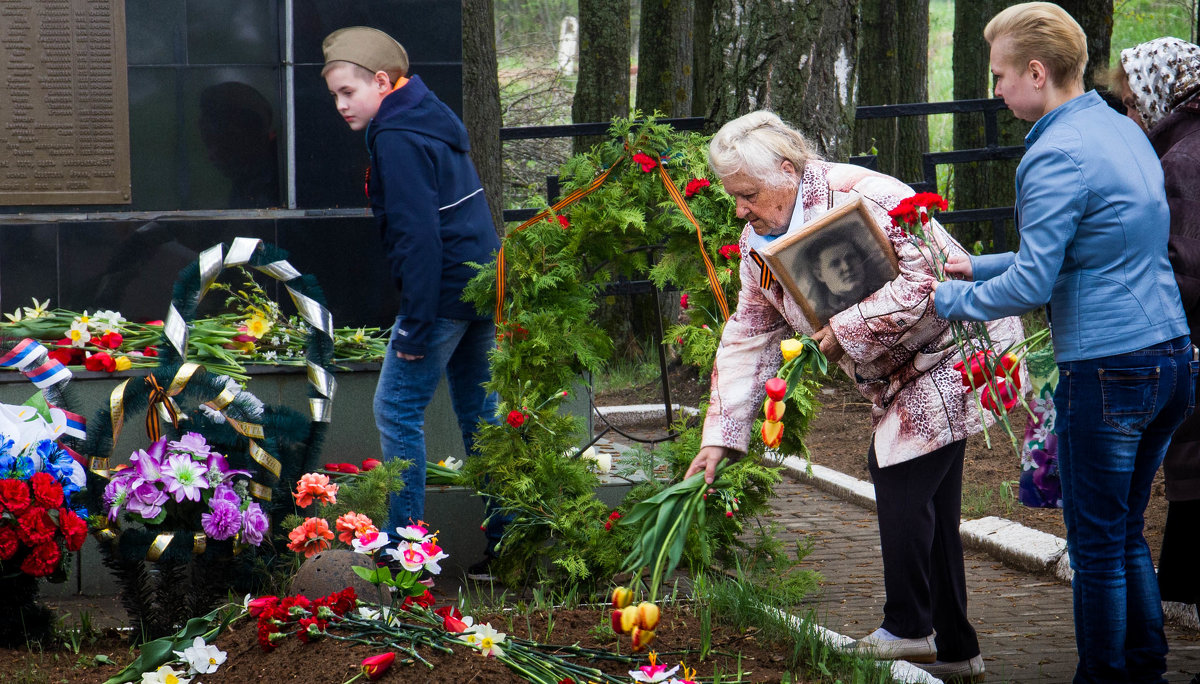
[[1094, 223], [1159, 82], [899, 353]]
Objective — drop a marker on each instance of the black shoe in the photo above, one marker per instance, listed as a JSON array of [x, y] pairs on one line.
[[482, 571]]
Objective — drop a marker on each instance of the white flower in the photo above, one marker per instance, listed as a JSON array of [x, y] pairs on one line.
[[165, 675], [15, 316], [108, 321], [38, 310], [202, 658], [484, 638], [84, 318], [409, 555], [414, 533], [368, 543], [79, 334], [270, 355], [452, 463]]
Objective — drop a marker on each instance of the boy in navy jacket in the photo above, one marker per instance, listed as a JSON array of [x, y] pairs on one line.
[[433, 219]]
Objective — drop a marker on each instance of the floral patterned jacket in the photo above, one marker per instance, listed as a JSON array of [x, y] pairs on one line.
[[899, 352]]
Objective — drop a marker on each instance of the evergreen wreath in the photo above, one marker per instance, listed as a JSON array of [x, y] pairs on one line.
[[629, 225], [164, 585]]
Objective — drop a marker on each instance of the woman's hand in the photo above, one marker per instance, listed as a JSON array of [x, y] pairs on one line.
[[828, 342], [707, 460], [959, 265]]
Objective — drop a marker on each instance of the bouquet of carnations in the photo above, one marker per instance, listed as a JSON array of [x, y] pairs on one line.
[[184, 484], [41, 513]]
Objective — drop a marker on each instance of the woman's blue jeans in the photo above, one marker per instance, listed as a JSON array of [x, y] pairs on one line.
[[1116, 415], [459, 348]]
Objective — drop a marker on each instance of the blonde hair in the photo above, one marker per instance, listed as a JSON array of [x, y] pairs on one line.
[[1045, 32], [394, 75], [757, 144]]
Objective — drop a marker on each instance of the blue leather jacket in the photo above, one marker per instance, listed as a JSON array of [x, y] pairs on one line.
[[1094, 221]]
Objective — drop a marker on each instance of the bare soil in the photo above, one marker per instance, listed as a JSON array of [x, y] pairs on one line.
[[841, 434]]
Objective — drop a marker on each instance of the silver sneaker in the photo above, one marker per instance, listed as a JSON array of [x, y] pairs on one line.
[[880, 646], [959, 671]]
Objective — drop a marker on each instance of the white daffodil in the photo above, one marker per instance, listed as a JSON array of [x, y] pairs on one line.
[[38, 309], [452, 463], [83, 318], [79, 333], [107, 321], [484, 638], [202, 658], [359, 336], [165, 675], [14, 317]]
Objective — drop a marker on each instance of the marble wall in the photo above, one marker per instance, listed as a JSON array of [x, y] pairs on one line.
[[209, 118]]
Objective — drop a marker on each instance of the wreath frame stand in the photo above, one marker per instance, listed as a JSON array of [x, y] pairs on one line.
[[169, 575]]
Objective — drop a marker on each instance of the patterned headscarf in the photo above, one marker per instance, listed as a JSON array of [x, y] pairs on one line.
[[1162, 74]]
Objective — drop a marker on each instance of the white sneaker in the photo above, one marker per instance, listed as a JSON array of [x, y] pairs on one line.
[[958, 671], [883, 645]]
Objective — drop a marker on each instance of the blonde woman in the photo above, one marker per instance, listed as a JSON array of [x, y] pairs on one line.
[[1093, 221]]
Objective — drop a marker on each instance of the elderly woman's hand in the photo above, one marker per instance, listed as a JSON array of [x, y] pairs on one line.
[[828, 342], [707, 460]]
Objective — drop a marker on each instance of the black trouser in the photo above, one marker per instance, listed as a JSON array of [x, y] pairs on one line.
[[1179, 560], [919, 504]]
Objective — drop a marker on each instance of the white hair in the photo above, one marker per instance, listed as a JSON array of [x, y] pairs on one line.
[[757, 144]]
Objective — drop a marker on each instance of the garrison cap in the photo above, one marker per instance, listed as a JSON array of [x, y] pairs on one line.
[[369, 48]]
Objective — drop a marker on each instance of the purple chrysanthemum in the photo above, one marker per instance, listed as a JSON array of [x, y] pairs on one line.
[[223, 522], [254, 524], [227, 494], [116, 493]]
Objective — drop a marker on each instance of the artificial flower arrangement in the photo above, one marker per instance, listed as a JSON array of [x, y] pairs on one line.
[[254, 332], [42, 517], [993, 375], [184, 484]]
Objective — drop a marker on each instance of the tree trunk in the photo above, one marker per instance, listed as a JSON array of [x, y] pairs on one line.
[[481, 102], [702, 67], [602, 91], [980, 185], [797, 59], [1096, 18], [892, 69], [664, 81]]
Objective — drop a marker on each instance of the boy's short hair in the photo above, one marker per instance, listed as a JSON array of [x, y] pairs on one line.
[[369, 48]]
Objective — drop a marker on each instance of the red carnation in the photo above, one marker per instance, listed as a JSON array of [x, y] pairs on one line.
[[426, 600], [65, 354], [42, 560], [448, 611], [100, 361], [73, 527], [35, 526], [562, 221], [646, 161], [731, 251], [14, 494], [8, 543], [683, 300], [46, 491], [150, 351], [694, 186], [515, 418]]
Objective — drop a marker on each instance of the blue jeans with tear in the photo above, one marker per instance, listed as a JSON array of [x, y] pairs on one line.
[[1115, 418]]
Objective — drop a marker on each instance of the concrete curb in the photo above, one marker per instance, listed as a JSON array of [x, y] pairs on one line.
[[640, 413], [1009, 542]]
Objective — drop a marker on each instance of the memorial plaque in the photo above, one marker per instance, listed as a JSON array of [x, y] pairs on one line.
[[64, 116]]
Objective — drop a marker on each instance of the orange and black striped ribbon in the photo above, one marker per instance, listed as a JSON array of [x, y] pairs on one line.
[[158, 397], [541, 216], [766, 279], [717, 290]]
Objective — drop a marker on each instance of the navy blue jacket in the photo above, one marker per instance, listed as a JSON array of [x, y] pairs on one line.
[[431, 209]]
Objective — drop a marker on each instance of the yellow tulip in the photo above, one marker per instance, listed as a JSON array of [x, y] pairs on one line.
[[791, 348], [123, 363], [772, 433], [773, 409], [629, 619], [621, 597], [641, 638]]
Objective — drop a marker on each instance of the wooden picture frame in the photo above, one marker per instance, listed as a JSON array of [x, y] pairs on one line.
[[833, 261]]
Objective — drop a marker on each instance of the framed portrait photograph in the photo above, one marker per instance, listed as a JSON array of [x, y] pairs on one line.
[[833, 262]]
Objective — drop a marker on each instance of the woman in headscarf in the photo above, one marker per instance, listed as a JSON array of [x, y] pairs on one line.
[[1159, 82], [1093, 221], [899, 353]]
